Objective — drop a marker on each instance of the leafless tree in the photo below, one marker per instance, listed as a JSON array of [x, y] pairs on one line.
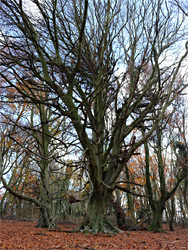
[[106, 65]]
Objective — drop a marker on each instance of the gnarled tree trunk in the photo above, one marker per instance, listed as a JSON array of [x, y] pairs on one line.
[[96, 220], [157, 212], [46, 218]]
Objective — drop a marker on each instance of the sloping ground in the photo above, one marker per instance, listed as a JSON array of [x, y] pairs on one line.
[[23, 235]]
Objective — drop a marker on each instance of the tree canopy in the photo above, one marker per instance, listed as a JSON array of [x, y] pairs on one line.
[[111, 68]]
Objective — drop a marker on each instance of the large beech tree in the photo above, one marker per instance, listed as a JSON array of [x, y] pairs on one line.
[[75, 48]]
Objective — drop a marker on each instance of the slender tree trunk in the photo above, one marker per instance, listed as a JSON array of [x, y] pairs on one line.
[[157, 206], [122, 222], [183, 214], [171, 214], [130, 198], [184, 191]]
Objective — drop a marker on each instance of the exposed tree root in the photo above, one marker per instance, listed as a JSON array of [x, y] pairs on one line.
[[95, 227]]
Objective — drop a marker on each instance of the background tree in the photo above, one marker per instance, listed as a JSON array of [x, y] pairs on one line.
[[158, 203], [179, 133], [34, 138]]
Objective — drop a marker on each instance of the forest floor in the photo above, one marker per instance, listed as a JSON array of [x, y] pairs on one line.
[[24, 235]]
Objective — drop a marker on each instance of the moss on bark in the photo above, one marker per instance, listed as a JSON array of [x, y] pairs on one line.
[[46, 218], [95, 220]]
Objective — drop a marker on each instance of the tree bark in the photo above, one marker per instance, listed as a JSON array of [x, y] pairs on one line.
[[122, 222], [157, 212], [130, 198], [46, 218], [95, 220], [171, 214]]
